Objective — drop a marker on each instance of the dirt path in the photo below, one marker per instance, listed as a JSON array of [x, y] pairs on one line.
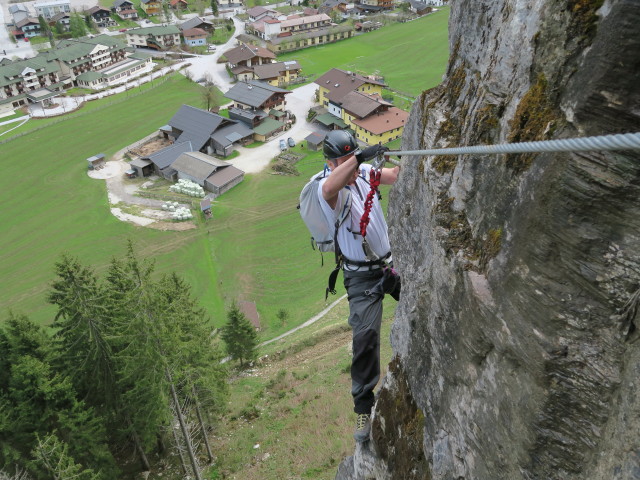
[[120, 191]]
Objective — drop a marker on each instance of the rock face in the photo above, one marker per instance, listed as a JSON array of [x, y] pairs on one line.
[[516, 340]]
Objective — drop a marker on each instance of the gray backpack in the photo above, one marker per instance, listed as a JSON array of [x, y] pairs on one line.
[[323, 234]]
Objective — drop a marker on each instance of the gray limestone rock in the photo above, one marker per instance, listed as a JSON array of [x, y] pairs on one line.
[[516, 340]]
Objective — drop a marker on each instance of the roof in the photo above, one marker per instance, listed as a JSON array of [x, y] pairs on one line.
[[165, 157], [193, 23], [197, 165], [246, 52], [315, 138], [247, 114], [155, 31], [253, 93], [251, 312], [197, 125], [230, 134], [328, 120], [97, 9], [140, 162], [310, 11], [256, 11], [225, 175], [59, 16], [315, 33], [384, 121], [340, 82], [72, 49], [175, 2], [267, 126], [89, 76], [11, 71], [321, 17], [27, 21], [194, 32], [272, 70], [119, 3], [360, 104], [18, 7]]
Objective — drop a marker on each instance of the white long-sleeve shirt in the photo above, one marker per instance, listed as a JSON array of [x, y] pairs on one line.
[[349, 237]]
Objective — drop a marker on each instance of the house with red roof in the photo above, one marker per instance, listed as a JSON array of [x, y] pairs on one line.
[[355, 102]]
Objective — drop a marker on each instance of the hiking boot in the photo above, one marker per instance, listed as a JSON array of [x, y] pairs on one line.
[[363, 428]]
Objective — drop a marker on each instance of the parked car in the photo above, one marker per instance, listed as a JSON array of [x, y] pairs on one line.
[[212, 48], [122, 30], [291, 142], [283, 145]]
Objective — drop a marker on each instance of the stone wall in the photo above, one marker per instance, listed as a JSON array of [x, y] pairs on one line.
[[516, 341]]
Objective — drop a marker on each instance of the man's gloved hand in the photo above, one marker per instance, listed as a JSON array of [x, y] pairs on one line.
[[370, 152]]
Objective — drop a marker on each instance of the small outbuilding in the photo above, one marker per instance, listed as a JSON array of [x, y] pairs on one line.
[[142, 167], [96, 162], [315, 140]]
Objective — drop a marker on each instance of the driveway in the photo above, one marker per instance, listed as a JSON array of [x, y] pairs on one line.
[[253, 160], [207, 64]]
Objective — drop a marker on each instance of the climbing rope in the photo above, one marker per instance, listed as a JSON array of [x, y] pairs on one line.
[[622, 141], [374, 182]]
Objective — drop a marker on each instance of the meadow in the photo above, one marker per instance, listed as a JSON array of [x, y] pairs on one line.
[[411, 56], [51, 206], [255, 248]]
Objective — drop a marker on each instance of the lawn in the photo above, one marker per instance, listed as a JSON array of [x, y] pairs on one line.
[[254, 248], [51, 206], [411, 56]]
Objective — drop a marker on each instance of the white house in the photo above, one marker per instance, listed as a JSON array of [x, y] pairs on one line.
[[48, 8]]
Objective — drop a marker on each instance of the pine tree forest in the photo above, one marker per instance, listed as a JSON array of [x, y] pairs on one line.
[[130, 367]]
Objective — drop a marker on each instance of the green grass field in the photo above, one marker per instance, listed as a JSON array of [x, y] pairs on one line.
[[255, 248], [411, 56], [51, 206]]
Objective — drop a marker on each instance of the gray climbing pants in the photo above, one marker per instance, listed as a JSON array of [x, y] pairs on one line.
[[365, 319]]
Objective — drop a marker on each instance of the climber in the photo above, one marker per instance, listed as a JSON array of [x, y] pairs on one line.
[[366, 265]]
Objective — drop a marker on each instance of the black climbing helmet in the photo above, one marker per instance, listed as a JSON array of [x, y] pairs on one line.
[[339, 143]]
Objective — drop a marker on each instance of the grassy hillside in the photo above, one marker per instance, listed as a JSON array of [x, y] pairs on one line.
[[292, 416], [51, 206], [255, 248], [411, 56]]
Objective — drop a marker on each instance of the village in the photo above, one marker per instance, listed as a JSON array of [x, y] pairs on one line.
[[271, 105]]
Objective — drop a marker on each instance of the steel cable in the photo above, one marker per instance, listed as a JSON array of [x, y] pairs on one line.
[[622, 141]]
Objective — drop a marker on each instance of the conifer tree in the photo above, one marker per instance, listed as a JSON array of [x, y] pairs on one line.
[[214, 8], [81, 323], [52, 455], [36, 400], [239, 336]]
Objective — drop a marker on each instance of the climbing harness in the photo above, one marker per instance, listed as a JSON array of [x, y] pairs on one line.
[[622, 141]]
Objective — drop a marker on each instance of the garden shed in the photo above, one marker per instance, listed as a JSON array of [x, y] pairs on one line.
[[96, 162], [315, 140]]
